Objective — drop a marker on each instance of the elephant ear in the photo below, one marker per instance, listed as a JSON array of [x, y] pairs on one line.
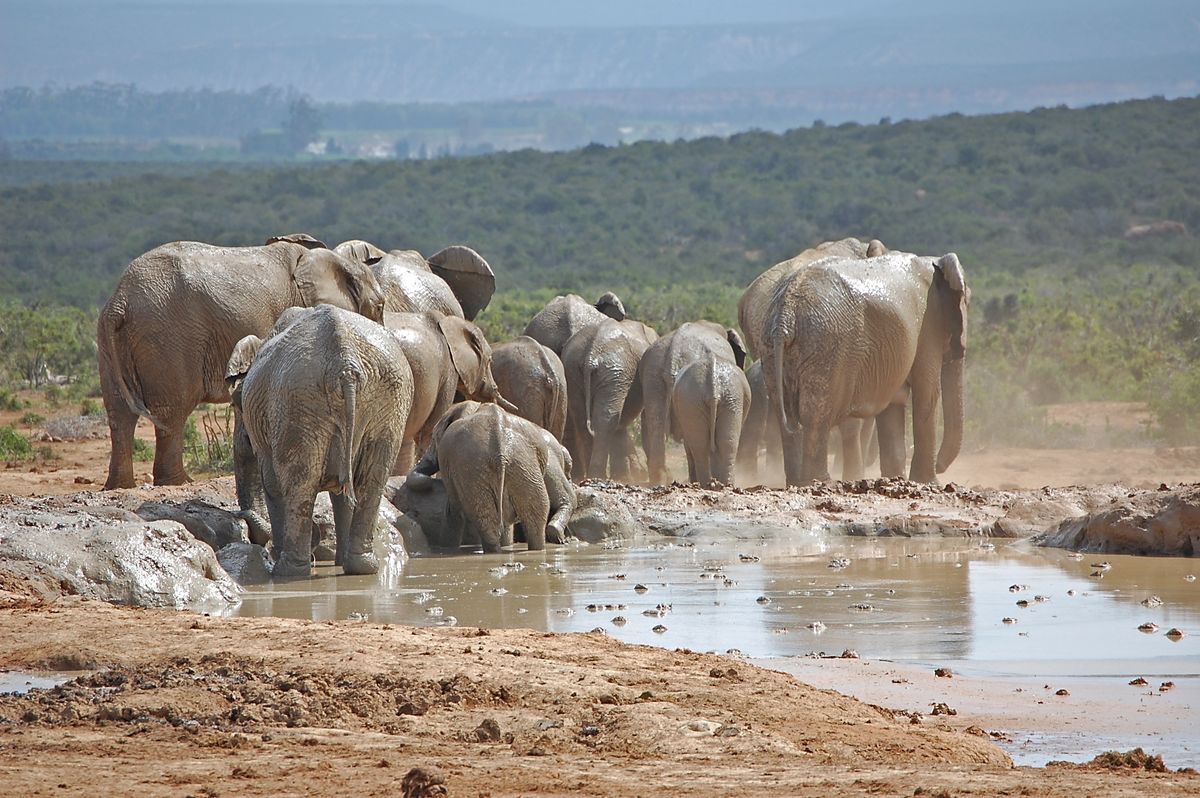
[[359, 250], [244, 352], [738, 345], [958, 297], [325, 278], [876, 248], [468, 275], [470, 353], [610, 305], [303, 239]]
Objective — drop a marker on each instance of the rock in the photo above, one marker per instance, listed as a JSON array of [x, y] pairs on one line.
[[387, 541], [208, 523], [144, 564], [426, 508], [599, 517], [1153, 523], [246, 563]]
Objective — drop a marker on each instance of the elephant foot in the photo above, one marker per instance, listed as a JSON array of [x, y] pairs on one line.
[[119, 482], [259, 530], [360, 564], [289, 566], [555, 534]]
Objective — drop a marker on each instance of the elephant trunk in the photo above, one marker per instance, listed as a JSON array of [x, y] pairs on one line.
[[345, 476], [952, 413], [777, 374], [505, 404], [256, 525]]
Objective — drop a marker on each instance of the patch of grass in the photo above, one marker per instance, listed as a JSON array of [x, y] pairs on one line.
[[142, 452], [47, 453], [14, 445], [90, 407], [208, 446], [31, 419], [9, 400], [54, 395]]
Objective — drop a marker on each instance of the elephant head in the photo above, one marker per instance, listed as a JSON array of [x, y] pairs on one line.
[[359, 250], [324, 277], [738, 346], [244, 352], [468, 275], [303, 239], [954, 296], [472, 358], [610, 305]]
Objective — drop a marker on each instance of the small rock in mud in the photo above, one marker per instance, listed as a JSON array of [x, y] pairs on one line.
[[1008, 620], [944, 673], [763, 600], [1165, 686], [1149, 627], [424, 783], [816, 626], [640, 588], [659, 629], [1138, 682], [619, 620], [849, 653], [1061, 692], [1022, 603], [941, 708], [488, 731], [1175, 634], [1152, 601]]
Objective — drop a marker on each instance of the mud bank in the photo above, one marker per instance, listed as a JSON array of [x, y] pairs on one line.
[[273, 707]]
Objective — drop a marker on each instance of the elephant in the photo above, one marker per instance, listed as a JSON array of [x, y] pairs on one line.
[[852, 338], [169, 328], [498, 468], [322, 405], [601, 363], [708, 402], [753, 316], [530, 370], [455, 281], [656, 374], [564, 316], [448, 355]]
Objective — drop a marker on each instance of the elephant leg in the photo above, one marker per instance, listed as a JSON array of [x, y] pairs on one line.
[[405, 459], [168, 453], [602, 446], [889, 427], [579, 444], [531, 504], [852, 464], [291, 512], [621, 455], [562, 504], [792, 444], [121, 425], [749, 442], [703, 460], [726, 436], [870, 443], [654, 441], [815, 453], [343, 518], [249, 486], [456, 522]]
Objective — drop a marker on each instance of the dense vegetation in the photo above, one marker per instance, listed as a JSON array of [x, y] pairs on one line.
[[1066, 307]]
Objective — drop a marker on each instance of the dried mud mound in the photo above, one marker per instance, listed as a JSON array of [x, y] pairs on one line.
[[1163, 522]]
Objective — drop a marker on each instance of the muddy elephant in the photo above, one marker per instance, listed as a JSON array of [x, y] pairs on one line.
[[852, 338], [498, 469], [709, 399], [753, 317], [564, 316], [601, 364], [656, 374], [322, 405], [166, 333], [455, 281], [527, 369], [448, 356]]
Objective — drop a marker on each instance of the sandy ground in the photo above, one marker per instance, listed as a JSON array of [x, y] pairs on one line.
[[179, 704]]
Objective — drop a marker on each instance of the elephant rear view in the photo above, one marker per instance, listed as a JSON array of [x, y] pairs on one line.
[[323, 405], [709, 399], [525, 368], [564, 316], [167, 332], [851, 338]]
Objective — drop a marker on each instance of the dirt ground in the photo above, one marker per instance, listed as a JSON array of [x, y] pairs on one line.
[[177, 704]]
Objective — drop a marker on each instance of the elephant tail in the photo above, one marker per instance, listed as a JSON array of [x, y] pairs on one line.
[[714, 403], [784, 422], [587, 403], [495, 446], [345, 470], [119, 360]]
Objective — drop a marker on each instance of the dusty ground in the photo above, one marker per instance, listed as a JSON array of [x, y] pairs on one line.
[[179, 704]]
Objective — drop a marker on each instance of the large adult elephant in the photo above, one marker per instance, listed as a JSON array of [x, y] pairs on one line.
[[526, 369], [656, 373], [851, 338], [601, 363], [448, 356], [166, 333], [564, 316], [498, 469], [323, 404], [455, 281], [754, 317]]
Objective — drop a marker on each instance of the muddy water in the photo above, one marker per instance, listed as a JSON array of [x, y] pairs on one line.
[[777, 596], [908, 599]]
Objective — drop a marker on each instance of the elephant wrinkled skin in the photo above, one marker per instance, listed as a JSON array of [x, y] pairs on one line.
[[708, 402], [166, 333], [456, 280], [851, 338], [564, 316], [321, 404], [525, 368]]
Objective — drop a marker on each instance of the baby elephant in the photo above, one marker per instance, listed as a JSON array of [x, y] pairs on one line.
[[498, 468], [321, 405], [708, 401]]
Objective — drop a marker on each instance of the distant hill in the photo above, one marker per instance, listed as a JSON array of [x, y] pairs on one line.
[[858, 63]]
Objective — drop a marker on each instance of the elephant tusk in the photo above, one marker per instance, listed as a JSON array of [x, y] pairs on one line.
[[507, 405]]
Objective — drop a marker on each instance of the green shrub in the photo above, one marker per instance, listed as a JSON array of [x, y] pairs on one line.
[[47, 453], [9, 400], [90, 407], [142, 452], [14, 445], [31, 419], [208, 446]]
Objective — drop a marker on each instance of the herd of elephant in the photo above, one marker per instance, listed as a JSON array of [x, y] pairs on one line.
[[348, 365]]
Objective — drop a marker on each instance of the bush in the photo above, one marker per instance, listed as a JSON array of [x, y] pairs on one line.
[[208, 446], [14, 445], [9, 401], [31, 419], [142, 451], [90, 407]]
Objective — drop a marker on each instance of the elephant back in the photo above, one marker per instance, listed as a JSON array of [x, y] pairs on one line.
[[408, 289]]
